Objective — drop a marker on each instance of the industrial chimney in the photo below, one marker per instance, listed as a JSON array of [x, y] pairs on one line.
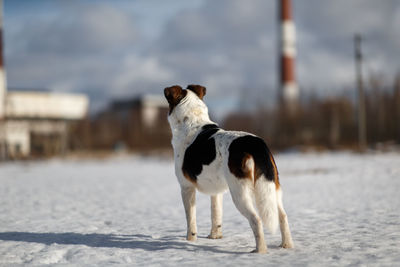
[[289, 91], [3, 86]]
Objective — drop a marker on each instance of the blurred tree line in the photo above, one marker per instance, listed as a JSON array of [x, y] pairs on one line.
[[320, 123], [328, 123]]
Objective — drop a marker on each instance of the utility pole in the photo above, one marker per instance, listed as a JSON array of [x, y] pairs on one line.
[[362, 123], [3, 86], [3, 91]]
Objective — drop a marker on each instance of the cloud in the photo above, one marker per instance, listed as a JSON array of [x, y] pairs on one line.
[[325, 40], [139, 73], [225, 45], [102, 48], [79, 50], [231, 46], [80, 29]]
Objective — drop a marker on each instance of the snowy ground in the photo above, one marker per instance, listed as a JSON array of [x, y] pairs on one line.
[[343, 209]]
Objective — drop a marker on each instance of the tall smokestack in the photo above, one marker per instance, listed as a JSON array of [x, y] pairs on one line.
[[289, 91], [3, 86]]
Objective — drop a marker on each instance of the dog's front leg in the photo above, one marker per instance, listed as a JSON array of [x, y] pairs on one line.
[[189, 202], [216, 217]]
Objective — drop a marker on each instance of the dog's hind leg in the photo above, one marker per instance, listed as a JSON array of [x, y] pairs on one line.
[[242, 196], [189, 202], [287, 241], [216, 217]]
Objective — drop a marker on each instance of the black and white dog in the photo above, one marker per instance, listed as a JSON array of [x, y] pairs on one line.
[[212, 160]]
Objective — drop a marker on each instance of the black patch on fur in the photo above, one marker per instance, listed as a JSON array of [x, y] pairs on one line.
[[256, 147], [201, 152]]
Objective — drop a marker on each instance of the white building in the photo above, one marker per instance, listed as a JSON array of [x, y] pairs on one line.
[[37, 122]]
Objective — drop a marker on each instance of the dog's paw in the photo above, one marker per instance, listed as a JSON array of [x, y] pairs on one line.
[[214, 236], [287, 245], [216, 232], [259, 251], [191, 237]]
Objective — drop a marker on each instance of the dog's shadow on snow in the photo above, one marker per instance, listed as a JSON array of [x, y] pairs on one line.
[[137, 241]]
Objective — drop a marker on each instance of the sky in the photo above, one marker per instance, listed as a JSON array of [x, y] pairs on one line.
[[118, 49]]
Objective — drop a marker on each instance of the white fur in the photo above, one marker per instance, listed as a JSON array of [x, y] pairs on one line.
[[287, 241], [266, 202], [186, 121]]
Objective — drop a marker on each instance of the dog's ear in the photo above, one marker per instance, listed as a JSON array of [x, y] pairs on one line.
[[174, 94], [199, 90]]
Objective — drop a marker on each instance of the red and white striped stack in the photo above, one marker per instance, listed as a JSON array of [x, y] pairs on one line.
[[289, 89]]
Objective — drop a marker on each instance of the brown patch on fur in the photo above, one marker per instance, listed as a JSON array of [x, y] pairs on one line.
[[257, 173], [235, 169], [276, 175], [242, 170], [189, 178], [174, 95], [246, 170], [199, 90]]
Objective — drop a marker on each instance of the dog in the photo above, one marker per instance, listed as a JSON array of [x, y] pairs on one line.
[[212, 160]]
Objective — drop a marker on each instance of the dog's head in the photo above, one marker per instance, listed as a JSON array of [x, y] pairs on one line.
[[186, 103]]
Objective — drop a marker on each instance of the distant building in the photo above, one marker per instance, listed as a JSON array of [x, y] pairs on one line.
[[36, 123], [139, 123], [147, 125], [149, 107]]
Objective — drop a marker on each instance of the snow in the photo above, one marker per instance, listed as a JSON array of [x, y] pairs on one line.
[[343, 209]]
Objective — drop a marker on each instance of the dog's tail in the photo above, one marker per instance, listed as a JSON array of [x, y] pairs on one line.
[[266, 184]]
